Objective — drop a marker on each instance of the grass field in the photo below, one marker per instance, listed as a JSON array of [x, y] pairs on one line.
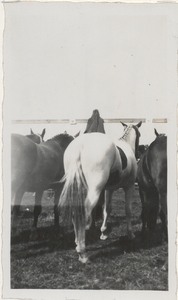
[[52, 263]]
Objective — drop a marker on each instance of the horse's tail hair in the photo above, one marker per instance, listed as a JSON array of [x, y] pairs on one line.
[[73, 195]]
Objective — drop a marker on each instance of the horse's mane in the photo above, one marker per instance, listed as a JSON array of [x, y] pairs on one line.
[[126, 133], [58, 137]]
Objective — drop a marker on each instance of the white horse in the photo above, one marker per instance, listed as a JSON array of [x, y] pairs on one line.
[[94, 162]]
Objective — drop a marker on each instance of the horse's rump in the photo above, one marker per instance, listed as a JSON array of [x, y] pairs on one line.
[[94, 160], [80, 158]]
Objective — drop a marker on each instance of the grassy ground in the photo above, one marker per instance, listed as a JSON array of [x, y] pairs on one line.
[[116, 263]]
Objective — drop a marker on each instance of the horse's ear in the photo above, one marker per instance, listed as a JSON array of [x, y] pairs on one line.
[[31, 131], [43, 133], [125, 125], [157, 134], [139, 124], [76, 135]]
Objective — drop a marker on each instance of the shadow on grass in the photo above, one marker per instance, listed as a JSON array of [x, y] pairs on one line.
[[48, 243], [123, 245]]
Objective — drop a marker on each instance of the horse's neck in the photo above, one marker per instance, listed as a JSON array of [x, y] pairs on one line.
[[129, 137]]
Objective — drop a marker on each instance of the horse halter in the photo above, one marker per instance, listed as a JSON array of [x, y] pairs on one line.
[[36, 138], [41, 139]]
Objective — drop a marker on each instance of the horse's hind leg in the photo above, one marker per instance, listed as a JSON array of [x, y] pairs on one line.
[[16, 206], [79, 229], [97, 212], [56, 208], [82, 220], [90, 203], [128, 209], [163, 213], [153, 208], [144, 213], [106, 212], [37, 211]]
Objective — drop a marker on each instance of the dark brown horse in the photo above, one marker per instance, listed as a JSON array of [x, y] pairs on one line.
[[96, 124], [152, 181], [33, 169]]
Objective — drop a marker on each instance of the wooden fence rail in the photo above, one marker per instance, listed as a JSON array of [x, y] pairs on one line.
[[66, 121]]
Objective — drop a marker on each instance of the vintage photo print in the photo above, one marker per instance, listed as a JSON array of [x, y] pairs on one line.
[[89, 150]]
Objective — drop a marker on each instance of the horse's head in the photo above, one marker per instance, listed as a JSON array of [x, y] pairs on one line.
[[141, 150], [158, 135], [36, 137], [127, 130]]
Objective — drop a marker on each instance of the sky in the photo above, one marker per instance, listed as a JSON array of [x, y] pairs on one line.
[[63, 60]]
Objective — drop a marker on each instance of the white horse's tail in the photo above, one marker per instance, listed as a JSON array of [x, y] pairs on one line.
[[73, 195]]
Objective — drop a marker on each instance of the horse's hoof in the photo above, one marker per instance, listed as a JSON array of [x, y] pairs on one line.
[[103, 237], [83, 258]]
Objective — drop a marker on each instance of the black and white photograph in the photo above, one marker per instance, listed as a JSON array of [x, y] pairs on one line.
[[89, 159]]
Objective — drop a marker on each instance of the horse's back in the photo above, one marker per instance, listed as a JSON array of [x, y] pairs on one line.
[[94, 144], [92, 151], [23, 159]]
